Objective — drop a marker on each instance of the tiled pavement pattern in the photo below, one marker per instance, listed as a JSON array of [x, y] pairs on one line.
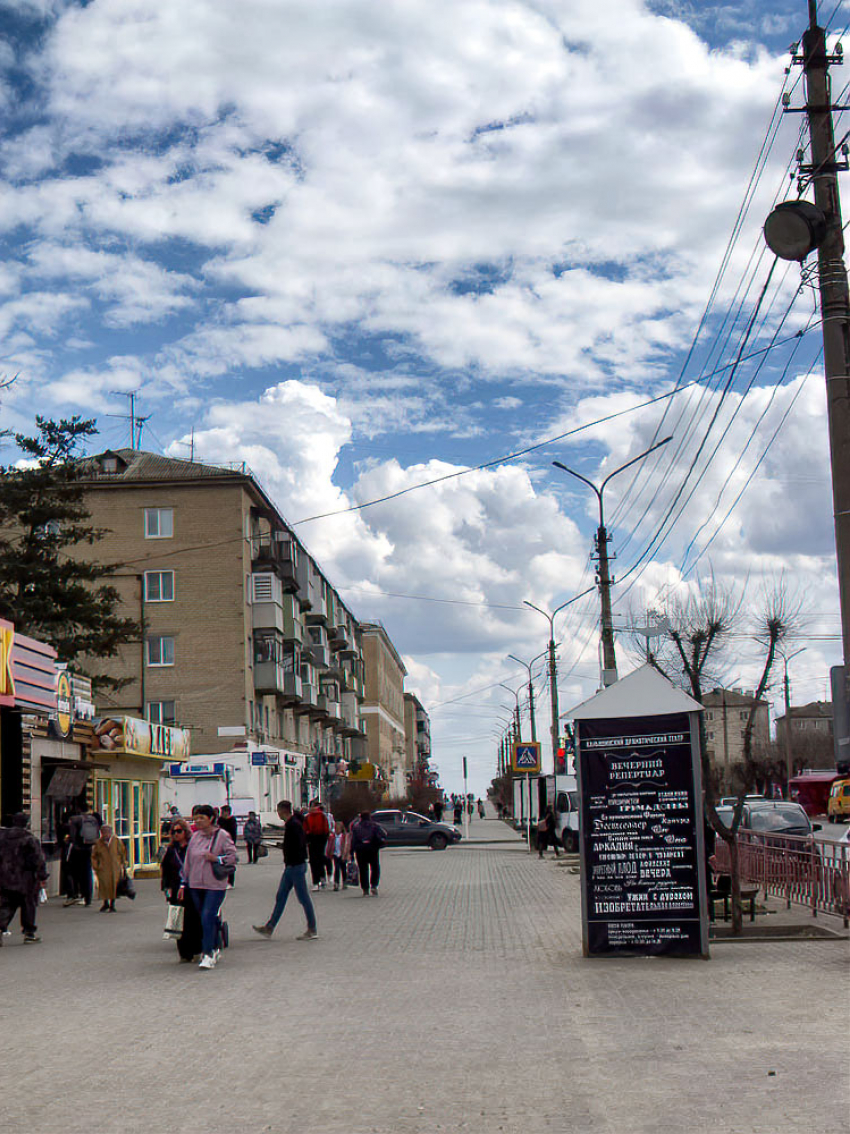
[[456, 1001]]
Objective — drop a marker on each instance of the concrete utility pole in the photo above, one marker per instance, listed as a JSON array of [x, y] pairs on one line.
[[528, 665], [789, 755], [609, 658], [835, 302]]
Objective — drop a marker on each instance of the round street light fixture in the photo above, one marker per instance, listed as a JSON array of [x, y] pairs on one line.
[[794, 229]]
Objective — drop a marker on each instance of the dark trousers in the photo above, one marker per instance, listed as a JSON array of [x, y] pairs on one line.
[[316, 845], [208, 904], [252, 851], [27, 903], [190, 941], [369, 867], [339, 870], [79, 869]]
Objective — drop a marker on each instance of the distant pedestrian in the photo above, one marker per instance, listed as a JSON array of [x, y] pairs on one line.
[[367, 838], [339, 851], [317, 829], [227, 822], [208, 845], [190, 942], [83, 833], [546, 833], [294, 876], [480, 808], [438, 810], [253, 835], [23, 872], [109, 861], [458, 813]]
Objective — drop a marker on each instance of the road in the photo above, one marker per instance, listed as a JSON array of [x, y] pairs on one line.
[[458, 1000]]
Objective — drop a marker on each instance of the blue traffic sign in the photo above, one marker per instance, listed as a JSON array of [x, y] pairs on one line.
[[527, 757]]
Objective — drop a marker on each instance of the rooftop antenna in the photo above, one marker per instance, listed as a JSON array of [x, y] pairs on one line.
[[135, 420]]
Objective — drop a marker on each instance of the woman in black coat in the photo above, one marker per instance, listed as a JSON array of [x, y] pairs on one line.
[[189, 943]]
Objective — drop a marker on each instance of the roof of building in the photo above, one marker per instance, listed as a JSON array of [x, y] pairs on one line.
[[377, 630], [642, 693], [820, 710], [135, 464], [729, 697]]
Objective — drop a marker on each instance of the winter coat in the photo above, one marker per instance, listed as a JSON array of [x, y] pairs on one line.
[[316, 823], [197, 872], [22, 865], [253, 831], [171, 869], [109, 861]]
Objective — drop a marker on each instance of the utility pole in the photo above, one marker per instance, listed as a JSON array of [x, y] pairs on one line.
[[835, 302], [528, 667], [609, 658], [789, 757], [136, 422]]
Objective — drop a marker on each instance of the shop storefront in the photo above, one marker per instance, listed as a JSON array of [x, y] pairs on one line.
[[131, 754]]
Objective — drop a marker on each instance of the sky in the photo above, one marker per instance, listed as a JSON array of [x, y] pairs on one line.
[[364, 246]]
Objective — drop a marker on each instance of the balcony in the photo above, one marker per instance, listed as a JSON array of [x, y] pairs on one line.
[[309, 699], [277, 552], [293, 629], [316, 644], [303, 574], [269, 678], [266, 601]]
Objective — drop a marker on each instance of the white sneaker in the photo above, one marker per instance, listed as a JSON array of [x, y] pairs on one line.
[[207, 962], [216, 956], [316, 888]]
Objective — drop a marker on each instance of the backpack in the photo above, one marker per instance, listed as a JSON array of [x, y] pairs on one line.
[[89, 830]]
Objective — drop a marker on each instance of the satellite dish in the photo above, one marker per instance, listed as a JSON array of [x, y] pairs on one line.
[[794, 229]]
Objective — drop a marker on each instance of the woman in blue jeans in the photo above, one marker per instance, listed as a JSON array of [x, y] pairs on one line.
[[208, 844]]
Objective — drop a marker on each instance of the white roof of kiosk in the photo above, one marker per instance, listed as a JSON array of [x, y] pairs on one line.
[[642, 693]]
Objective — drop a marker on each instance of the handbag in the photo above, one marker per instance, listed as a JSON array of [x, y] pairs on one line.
[[126, 887], [352, 873], [223, 871], [174, 922]]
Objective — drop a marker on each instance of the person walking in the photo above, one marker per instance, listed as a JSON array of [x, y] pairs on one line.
[[480, 809], [367, 838], [227, 822], [294, 876], [109, 861], [458, 813], [317, 829], [253, 833], [339, 852], [438, 810], [23, 872], [83, 833], [208, 846], [190, 942], [546, 832]]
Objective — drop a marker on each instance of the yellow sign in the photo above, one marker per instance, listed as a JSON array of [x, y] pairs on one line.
[[135, 737], [7, 679], [64, 704]]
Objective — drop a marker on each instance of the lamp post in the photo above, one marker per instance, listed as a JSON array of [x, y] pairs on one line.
[[789, 760], [609, 658], [528, 665], [553, 668]]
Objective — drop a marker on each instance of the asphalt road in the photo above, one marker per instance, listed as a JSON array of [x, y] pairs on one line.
[[458, 1000]]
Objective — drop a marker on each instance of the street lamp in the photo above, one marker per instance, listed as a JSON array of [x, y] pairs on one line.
[[528, 665], [553, 668], [609, 659], [789, 762], [515, 694]]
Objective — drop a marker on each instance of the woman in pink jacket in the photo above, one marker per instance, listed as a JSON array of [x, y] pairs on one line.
[[209, 844]]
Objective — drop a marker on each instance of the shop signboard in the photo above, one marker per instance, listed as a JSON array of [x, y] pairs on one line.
[[265, 759], [133, 737], [197, 771], [7, 677], [27, 672], [643, 862]]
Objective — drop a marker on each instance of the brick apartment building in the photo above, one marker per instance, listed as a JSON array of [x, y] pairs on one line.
[[726, 715], [243, 636], [417, 735], [383, 706]]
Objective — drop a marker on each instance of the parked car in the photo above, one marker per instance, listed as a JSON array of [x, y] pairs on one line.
[[777, 817], [409, 829]]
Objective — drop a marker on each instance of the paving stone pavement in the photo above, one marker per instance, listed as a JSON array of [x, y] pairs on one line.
[[458, 1000]]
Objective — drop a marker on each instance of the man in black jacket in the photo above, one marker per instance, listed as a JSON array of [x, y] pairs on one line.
[[23, 872], [294, 876]]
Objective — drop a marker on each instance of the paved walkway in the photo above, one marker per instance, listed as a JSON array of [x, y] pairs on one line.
[[456, 1001]]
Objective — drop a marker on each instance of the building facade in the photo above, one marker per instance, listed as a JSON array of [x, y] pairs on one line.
[[243, 638], [417, 735], [810, 739], [726, 714], [383, 707]]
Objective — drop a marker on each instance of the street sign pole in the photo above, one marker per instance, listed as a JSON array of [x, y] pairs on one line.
[[465, 803], [528, 808]]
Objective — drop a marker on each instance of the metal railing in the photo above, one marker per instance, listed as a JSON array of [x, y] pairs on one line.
[[807, 871]]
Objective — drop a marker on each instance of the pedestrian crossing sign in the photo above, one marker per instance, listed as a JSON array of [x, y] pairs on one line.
[[525, 757]]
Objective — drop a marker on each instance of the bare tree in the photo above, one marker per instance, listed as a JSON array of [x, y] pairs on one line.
[[690, 653]]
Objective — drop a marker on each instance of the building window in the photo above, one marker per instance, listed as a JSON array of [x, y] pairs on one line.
[[162, 712], [159, 523], [159, 586], [160, 650], [711, 736]]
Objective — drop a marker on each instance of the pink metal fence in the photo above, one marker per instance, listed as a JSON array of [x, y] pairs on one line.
[[808, 871]]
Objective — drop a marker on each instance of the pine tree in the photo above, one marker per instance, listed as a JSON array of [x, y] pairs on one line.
[[47, 588]]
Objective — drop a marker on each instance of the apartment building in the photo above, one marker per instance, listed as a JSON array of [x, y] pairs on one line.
[[417, 737], [244, 640], [383, 706], [726, 715]]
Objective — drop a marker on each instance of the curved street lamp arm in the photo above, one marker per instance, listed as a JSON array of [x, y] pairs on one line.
[[578, 476], [629, 464]]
